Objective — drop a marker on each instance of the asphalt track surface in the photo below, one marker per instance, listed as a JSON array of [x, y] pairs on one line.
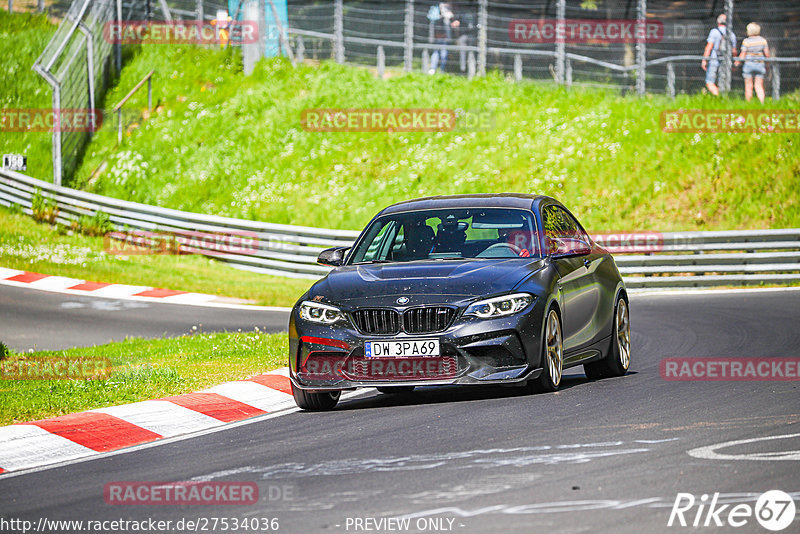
[[45, 320], [597, 456]]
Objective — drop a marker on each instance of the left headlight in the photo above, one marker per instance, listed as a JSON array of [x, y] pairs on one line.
[[500, 306], [320, 313]]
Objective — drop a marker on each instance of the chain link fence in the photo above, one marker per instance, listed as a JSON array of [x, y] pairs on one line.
[[519, 38], [598, 57]]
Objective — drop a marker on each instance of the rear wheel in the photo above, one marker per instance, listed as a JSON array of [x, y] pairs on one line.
[[618, 359], [552, 355], [315, 400], [396, 390]]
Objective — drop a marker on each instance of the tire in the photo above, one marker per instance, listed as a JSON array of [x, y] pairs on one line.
[[396, 390], [552, 355], [315, 401], [618, 358]]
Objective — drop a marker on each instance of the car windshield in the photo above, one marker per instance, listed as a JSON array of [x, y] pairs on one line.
[[448, 234]]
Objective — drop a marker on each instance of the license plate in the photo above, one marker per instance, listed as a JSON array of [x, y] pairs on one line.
[[401, 349]]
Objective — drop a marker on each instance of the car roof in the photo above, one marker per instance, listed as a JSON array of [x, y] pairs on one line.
[[500, 200]]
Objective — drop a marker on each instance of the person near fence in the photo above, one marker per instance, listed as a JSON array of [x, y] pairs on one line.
[[754, 49], [713, 44], [443, 35], [467, 36]]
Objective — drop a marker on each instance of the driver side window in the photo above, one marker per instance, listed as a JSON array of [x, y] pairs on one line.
[[562, 230]]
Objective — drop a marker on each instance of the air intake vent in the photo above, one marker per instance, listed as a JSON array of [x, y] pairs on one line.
[[428, 319], [377, 321]]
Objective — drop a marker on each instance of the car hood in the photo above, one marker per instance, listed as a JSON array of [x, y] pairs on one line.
[[434, 278]]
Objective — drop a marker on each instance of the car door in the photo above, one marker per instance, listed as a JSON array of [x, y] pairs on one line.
[[571, 252]]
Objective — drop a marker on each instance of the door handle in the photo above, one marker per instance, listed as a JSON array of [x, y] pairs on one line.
[[586, 262]]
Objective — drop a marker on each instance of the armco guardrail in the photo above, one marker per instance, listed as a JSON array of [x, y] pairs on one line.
[[670, 260]]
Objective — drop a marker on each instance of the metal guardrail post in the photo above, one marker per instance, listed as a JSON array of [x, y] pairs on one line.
[[199, 10], [40, 6], [483, 22], [10, 6], [641, 48], [517, 68], [381, 62], [338, 31], [561, 48], [408, 41], [671, 79], [426, 60]]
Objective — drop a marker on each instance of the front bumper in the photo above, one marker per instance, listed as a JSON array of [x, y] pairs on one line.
[[472, 352]]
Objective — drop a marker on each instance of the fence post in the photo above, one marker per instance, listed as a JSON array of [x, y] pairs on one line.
[[338, 31], [568, 72], [426, 60], [118, 46], [641, 48], [561, 48], [471, 65], [40, 6], [300, 49], [776, 81], [199, 11], [483, 21], [381, 62], [671, 79], [10, 6], [517, 67], [57, 135], [724, 81], [408, 44], [150, 93]]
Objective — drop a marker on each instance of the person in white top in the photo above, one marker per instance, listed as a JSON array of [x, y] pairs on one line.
[[754, 48]]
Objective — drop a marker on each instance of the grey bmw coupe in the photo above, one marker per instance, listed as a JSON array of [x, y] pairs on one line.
[[473, 289]]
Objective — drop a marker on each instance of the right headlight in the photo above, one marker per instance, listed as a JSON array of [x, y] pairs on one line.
[[320, 313], [500, 306]]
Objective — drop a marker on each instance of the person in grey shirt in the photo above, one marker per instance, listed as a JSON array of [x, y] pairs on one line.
[[713, 43], [754, 48]]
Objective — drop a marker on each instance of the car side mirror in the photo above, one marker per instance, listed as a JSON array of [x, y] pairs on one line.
[[560, 248], [332, 256]]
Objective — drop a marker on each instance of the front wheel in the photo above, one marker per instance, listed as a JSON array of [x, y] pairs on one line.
[[618, 359], [552, 355], [316, 401]]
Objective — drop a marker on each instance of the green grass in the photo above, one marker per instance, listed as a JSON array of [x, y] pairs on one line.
[[231, 145], [141, 370], [37, 247], [22, 39]]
